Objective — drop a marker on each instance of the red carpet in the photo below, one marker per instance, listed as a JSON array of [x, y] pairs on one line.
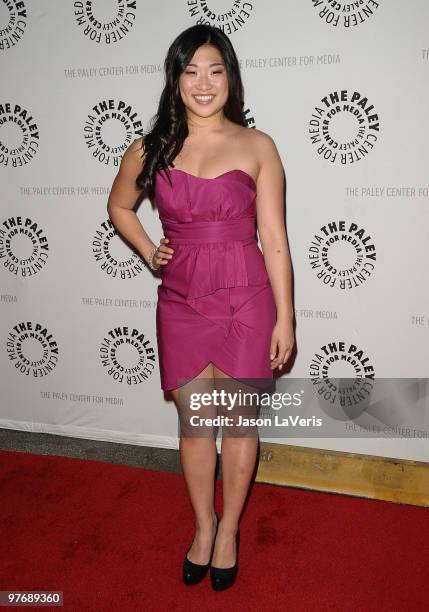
[[113, 538]]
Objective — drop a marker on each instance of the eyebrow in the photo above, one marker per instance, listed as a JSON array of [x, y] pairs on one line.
[[210, 65]]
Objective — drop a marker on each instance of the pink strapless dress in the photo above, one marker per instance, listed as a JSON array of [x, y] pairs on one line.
[[215, 301]]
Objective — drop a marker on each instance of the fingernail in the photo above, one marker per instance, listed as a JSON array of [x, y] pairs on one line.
[[271, 356]]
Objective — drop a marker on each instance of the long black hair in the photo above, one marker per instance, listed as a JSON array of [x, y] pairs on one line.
[[169, 127]]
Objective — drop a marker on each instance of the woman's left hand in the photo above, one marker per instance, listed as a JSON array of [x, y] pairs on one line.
[[282, 342]]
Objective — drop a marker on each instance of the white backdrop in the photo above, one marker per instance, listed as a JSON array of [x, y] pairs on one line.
[[343, 89]]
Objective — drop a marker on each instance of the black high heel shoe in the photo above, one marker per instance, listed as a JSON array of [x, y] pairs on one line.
[[224, 577], [193, 573]]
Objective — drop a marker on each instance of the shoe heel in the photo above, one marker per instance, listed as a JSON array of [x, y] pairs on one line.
[[224, 577], [194, 573]]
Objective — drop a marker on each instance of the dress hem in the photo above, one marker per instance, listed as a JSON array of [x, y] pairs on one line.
[[237, 378]]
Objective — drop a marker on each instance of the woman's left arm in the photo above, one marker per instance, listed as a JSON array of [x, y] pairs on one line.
[[270, 212]]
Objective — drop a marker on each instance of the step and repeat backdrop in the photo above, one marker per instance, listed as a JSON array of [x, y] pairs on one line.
[[343, 89]]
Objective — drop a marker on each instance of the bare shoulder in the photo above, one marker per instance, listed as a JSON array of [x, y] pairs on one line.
[[137, 144], [263, 144], [266, 153], [132, 159], [134, 152]]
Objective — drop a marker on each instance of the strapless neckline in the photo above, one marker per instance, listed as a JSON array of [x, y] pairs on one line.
[[202, 178]]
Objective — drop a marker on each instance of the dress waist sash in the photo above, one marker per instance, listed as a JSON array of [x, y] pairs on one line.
[[198, 232], [218, 259]]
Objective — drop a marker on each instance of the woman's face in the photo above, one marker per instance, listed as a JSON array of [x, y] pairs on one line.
[[204, 82]]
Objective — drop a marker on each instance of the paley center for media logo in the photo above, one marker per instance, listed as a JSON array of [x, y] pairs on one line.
[[333, 390], [342, 254], [339, 353], [106, 247], [102, 25], [344, 127], [15, 25], [110, 127], [24, 247], [32, 349], [19, 135], [127, 355], [229, 16], [345, 13]]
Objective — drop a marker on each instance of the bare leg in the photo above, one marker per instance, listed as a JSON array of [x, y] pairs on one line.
[[198, 456], [238, 462]]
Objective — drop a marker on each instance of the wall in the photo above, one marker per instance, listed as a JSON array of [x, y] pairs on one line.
[[342, 87]]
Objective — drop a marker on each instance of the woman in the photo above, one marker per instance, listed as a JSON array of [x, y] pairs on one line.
[[224, 310]]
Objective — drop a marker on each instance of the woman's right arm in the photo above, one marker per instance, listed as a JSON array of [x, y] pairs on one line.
[[123, 198]]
